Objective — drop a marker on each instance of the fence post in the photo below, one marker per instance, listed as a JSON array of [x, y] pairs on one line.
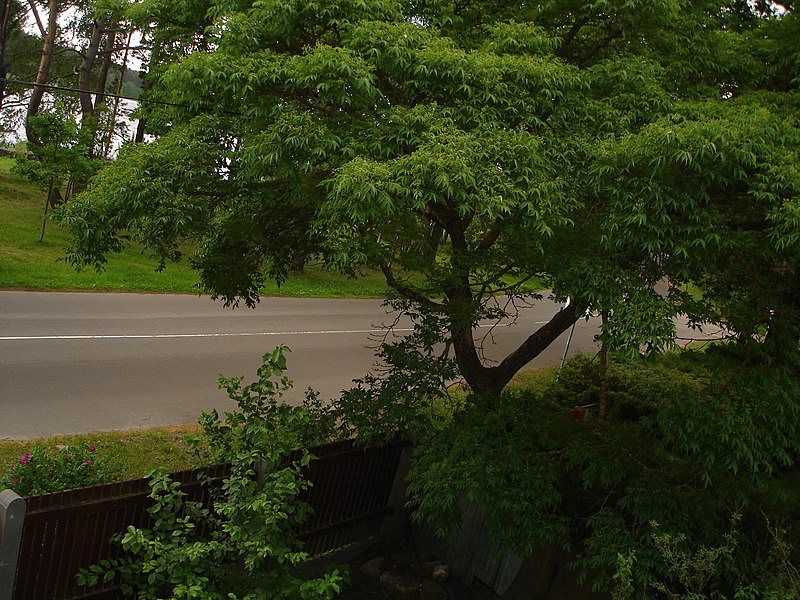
[[12, 516]]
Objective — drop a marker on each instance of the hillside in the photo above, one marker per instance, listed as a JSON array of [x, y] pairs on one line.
[[26, 263]]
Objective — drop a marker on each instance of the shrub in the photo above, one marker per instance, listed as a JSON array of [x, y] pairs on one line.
[[688, 441], [43, 469], [243, 547]]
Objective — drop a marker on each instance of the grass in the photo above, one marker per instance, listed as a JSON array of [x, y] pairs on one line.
[[135, 453], [26, 263]]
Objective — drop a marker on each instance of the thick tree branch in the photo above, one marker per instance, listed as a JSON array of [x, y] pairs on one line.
[[37, 18], [490, 381], [407, 291], [536, 344], [490, 238], [563, 50]]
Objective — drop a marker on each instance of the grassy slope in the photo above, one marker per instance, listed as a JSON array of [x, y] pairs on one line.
[[25, 263]]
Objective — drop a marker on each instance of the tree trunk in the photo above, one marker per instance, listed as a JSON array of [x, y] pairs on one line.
[[603, 372], [85, 70], [5, 32], [105, 68], [48, 44], [46, 207], [88, 116], [142, 124], [490, 381], [37, 18], [109, 136], [434, 241], [298, 263]]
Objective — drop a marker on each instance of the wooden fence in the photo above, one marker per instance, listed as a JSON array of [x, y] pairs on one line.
[[66, 531]]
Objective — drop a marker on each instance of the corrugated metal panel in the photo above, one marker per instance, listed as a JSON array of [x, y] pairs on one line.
[[473, 552]]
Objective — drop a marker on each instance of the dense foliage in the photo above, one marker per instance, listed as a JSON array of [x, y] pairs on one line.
[[61, 157], [44, 469], [692, 442], [602, 147]]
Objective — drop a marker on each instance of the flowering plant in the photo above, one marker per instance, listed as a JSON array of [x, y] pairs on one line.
[[44, 469]]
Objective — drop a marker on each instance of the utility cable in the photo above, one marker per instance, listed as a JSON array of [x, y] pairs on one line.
[[62, 88]]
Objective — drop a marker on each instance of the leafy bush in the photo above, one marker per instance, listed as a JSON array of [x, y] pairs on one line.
[[43, 469], [689, 440], [243, 547], [691, 570]]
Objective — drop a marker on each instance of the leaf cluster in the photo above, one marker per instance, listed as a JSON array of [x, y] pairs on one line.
[[61, 155]]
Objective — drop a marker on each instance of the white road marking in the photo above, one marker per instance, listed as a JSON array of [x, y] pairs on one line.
[[158, 336]]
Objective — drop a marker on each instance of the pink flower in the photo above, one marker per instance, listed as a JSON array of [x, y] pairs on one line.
[[26, 458], [87, 461], [15, 480], [92, 448]]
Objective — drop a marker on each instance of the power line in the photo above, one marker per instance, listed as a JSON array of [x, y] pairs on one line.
[[61, 88]]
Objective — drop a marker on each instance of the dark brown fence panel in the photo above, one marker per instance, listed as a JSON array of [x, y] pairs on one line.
[[67, 531], [349, 495]]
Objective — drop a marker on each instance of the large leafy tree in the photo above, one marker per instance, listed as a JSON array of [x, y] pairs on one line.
[[11, 17], [465, 148], [597, 146]]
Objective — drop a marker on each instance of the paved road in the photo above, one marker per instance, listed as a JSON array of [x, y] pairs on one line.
[[81, 362]]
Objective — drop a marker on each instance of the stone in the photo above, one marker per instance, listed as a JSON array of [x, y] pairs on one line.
[[441, 573], [373, 568], [432, 591], [401, 583]]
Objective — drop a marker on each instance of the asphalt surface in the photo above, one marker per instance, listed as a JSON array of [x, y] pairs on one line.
[[82, 362]]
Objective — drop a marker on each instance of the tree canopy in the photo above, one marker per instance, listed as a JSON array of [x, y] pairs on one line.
[[598, 147]]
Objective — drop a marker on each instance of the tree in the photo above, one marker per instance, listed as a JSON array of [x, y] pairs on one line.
[[26, 64], [11, 16], [49, 36], [598, 147], [59, 158], [102, 23], [170, 32]]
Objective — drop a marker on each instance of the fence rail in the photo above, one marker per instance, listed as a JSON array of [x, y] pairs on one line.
[[66, 531]]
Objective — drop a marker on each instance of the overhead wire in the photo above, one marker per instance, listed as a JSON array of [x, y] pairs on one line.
[[62, 88]]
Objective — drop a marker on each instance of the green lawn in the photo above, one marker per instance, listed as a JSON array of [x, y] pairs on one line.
[[135, 453], [26, 263]]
